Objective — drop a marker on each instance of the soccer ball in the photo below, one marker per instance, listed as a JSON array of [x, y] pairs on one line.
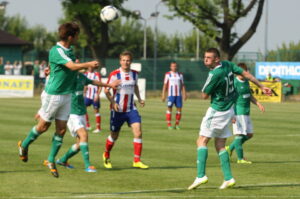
[[109, 13]]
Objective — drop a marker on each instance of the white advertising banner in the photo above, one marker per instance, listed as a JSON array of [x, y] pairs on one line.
[[16, 86]]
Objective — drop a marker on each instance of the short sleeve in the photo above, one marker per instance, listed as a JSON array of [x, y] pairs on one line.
[[136, 78], [181, 78], [166, 80], [211, 83], [58, 56], [111, 78]]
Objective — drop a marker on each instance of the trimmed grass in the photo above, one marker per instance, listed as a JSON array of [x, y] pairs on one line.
[[274, 150]]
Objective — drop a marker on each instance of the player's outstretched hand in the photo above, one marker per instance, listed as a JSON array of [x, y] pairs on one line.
[[142, 103], [261, 107], [93, 64], [267, 91], [233, 120], [115, 84]]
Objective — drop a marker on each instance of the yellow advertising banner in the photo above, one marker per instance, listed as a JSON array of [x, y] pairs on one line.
[[276, 92], [16, 86]]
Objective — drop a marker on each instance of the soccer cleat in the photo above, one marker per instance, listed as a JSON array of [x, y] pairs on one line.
[[198, 182], [106, 162], [227, 184], [91, 169], [97, 131], [243, 161], [140, 165], [177, 127], [23, 153], [64, 164], [52, 168], [170, 128], [228, 150]]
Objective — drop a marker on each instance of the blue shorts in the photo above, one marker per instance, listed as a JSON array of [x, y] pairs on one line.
[[117, 119], [177, 100], [89, 102]]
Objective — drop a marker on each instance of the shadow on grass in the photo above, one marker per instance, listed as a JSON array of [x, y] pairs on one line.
[[152, 168], [277, 162], [22, 171], [267, 185]]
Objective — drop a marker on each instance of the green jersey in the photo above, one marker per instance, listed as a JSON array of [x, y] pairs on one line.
[[62, 79], [242, 105], [77, 103], [219, 84]]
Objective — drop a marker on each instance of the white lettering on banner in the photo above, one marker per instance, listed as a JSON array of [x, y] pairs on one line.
[[279, 70]]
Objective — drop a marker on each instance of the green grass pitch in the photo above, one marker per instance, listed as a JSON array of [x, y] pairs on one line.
[[274, 150]]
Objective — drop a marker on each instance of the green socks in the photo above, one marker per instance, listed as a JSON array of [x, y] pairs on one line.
[[33, 134], [85, 153], [70, 153], [201, 161], [225, 164], [237, 144], [56, 144]]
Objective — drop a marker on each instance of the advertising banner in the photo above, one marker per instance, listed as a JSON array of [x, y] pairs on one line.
[[276, 92], [16, 86], [282, 70]]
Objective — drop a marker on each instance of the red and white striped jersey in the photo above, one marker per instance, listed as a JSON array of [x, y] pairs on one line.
[[174, 81], [124, 95], [92, 90]]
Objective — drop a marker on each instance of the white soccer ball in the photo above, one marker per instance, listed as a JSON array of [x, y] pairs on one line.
[[109, 13]]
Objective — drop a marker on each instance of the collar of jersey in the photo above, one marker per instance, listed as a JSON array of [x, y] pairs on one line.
[[218, 66], [62, 46], [124, 71], [240, 79]]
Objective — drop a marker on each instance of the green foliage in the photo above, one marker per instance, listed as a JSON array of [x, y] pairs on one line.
[[287, 52]]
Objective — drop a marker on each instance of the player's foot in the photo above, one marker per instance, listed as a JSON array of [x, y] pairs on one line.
[[243, 161], [52, 168], [140, 165], [177, 127], [23, 153], [106, 162], [91, 169], [228, 150], [64, 164], [227, 184], [198, 182], [97, 131], [170, 128]]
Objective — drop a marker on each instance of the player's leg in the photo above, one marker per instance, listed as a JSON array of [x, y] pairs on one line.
[[110, 141], [169, 112], [225, 163], [33, 134], [87, 103], [138, 146], [202, 154], [97, 116], [178, 104]]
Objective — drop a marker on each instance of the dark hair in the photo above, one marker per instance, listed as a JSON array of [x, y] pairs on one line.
[[243, 66], [126, 53], [68, 29], [215, 51]]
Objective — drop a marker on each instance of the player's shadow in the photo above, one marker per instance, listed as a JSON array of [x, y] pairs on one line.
[[152, 168], [259, 186], [277, 162], [22, 171]]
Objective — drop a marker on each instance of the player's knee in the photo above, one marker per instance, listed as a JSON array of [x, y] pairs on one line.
[[61, 131]]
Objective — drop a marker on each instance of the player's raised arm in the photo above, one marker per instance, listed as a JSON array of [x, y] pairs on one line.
[[251, 78], [112, 85], [137, 93], [78, 66]]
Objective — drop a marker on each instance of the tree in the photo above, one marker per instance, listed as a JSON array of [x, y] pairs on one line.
[[97, 33], [216, 19], [287, 52]]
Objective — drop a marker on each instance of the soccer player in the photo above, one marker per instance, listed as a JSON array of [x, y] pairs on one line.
[[242, 125], [215, 123], [77, 123], [176, 90], [91, 96], [56, 102], [123, 109]]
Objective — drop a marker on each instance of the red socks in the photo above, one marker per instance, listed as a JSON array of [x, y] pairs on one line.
[[98, 121], [137, 145], [87, 121], [178, 117], [109, 145], [169, 118]]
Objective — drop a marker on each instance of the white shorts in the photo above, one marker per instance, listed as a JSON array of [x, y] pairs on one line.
[[55, 107], [216, 123], [243, 125], [76, 122]]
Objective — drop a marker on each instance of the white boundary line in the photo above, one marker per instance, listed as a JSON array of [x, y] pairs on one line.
[[123, 194]]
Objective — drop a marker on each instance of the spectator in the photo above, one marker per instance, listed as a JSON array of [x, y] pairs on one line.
[[8, 68], [17, 67], [269, 78], [42, 75], [29, 68], [1, 66], [36, 68]]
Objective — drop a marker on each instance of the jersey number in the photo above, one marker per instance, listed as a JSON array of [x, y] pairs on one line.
[[229, 84]]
